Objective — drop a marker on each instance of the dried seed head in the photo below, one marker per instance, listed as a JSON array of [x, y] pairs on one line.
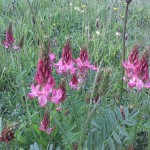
[[8, 133], [97, 24], [128, 1]]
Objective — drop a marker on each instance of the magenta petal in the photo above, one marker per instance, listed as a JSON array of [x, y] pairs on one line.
[[52, 57], [42, 100], [49, 130], [147, 85], [58, 108], [17, 48], [56, 95], [139, 85], [42, 127]]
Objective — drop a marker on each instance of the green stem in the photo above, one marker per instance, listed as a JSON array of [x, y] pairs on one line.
[[124, 50], [72, 102], [86, 123], [59, 125]]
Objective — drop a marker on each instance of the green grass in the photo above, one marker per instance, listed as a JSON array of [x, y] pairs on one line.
[[57, 20]]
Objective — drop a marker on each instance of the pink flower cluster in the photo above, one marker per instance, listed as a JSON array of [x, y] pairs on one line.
[[137, 70], [9, 41], [45, 89], [78, 68]]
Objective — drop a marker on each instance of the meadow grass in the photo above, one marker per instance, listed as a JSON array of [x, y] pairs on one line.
[[57, 20]]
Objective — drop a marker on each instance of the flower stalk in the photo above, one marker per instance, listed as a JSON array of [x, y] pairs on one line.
[[124, 48]]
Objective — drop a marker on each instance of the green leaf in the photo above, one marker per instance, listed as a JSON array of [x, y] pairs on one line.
[[119, 115], [130, 122], [122, 131], [111, 143], [51, 147], [112, 117], [95, 124], [126, 112], [133, 113], [116, 137], [102, 146]]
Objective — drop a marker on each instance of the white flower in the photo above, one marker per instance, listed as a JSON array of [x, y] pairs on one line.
[[97, 32]]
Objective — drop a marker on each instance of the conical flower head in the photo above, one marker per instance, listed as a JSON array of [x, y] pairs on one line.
[[44, 126], [134, 55], [63, 89], [84, 54], [9, 37], [44, 69], [46, 121], [66, 53], [74, 83], [143, 67], [7, 134]]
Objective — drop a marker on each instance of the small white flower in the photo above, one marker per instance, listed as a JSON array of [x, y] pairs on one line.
[[77, 8], [70, 4], [97, 32], [82, 11], [118, 34]]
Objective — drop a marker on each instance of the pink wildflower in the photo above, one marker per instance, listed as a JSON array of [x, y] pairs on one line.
[[74, 83], [44, 126], [65, 64], [63, 89], [137, 71], [44, 70], [42, 92], [56, 96], [9, 37], [83, 61]]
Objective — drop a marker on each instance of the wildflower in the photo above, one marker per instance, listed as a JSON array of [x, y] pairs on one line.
[[42, 92], [20, 45], [77, 9], [63, 89], [118, 34], [97, 32], [74, 83], [115, 9], [65, 64], [9, 37], [44, 126], [56, 96], [7, 134], [58, 108], [44, 69], [83, 61], [137, 71]]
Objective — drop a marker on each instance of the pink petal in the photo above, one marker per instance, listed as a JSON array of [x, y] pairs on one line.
[[52, 57], [42, 100], [139, 85], [58, 108], [56, 95]]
